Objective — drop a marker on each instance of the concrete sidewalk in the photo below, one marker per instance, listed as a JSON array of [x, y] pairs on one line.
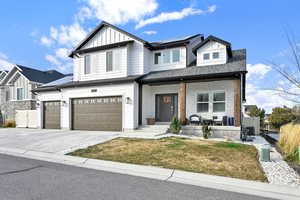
[[209, 181]]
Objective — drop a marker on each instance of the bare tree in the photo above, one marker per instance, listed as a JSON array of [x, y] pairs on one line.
[[290, 72]]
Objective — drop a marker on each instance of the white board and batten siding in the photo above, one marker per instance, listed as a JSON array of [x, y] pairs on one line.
[[130, 55], [21, 82], [210, 48]]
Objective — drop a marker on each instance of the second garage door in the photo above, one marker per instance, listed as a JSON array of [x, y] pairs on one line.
[[97, 114]]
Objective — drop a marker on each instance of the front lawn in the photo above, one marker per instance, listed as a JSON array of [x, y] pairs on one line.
[[210, 157]]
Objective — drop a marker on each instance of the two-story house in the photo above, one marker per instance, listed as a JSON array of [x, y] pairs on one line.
[[121, 80], [16, 86]]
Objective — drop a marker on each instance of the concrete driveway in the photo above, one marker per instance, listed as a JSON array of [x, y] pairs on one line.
[[52, 141]]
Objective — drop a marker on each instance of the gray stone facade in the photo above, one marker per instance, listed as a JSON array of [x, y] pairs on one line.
[[8, 109]]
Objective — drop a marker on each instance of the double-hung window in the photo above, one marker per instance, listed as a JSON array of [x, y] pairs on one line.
[[87, 64], [109, 61], [20, 93], [219, 102], [175, 55], [216, 55], [202, 102]]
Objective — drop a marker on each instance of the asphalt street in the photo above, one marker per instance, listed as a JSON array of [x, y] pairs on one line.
[[26, 179]]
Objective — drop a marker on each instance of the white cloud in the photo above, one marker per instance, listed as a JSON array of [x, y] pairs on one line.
[[117, 11], [62, 53], [4, 63], [52, 59], [3, 56], [68, 35], [46, 41], [150, 32], [176, 15], [257, 71]]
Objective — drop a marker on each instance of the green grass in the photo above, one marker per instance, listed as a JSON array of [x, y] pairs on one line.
[[210, 157]]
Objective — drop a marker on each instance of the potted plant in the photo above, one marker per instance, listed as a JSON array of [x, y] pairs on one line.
[[175, 126], [206, 130], [150, 121]]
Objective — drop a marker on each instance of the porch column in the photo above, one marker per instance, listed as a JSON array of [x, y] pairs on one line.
[[182, 103], [237, 102]]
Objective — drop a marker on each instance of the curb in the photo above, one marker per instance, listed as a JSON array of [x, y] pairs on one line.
[[170, 175]]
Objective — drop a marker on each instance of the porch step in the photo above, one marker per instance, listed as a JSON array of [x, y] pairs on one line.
[[153, 128], [192, 130]]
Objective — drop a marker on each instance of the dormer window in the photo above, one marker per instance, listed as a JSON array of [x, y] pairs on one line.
[[167, 57], [206, 56], [216, 55]]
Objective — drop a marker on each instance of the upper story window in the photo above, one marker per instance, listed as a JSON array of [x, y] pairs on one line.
[[109, 61], [219, 102], [206, 56], [202, 102], [157, 58], [7, 96], [20, 93], [175, 55], [216, 55], [167, 57], [87, 64]]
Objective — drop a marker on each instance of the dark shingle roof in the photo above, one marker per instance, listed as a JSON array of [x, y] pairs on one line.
[[211, 38], [237, 63], [40, 76]]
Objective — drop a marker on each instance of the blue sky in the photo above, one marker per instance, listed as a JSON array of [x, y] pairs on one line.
[[39, 33]]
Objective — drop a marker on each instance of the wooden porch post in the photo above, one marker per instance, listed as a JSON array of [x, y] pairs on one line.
[[182, 102], [237, 102]]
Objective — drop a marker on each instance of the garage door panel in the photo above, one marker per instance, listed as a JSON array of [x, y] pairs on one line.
[[97, 114], [52, 115]]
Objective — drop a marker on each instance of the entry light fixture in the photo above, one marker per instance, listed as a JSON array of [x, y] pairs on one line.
[[37, 104], [64, 103], [127, 100]]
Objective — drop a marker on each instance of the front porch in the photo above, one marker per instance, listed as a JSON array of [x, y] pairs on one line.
[[215, 103]]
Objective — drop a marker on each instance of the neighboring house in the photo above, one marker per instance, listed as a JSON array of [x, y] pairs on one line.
[[120, 80], [16, 86]]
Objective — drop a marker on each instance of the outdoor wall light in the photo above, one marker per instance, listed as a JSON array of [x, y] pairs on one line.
[[37, 104], [128, 100], [64, 103]]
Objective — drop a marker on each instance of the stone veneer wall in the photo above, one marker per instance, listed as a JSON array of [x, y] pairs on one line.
[[8, 109]]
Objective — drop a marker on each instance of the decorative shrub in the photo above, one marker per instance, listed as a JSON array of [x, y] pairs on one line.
[[206, 130], [175, 126], [10, 123], [290, 140]]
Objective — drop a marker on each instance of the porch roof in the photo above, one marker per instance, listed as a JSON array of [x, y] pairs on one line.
[[235, 65]]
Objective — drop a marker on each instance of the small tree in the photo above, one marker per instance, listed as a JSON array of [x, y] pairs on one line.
[[281, 116], [175, 125]]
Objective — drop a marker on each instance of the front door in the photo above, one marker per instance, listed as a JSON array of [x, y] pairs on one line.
[[166, 107]]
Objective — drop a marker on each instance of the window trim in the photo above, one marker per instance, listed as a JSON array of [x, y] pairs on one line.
[[202, 102], [23, 94]]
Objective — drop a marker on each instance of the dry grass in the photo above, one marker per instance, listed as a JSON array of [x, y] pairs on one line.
[[218, 158], [10, 123], [290, 141]]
